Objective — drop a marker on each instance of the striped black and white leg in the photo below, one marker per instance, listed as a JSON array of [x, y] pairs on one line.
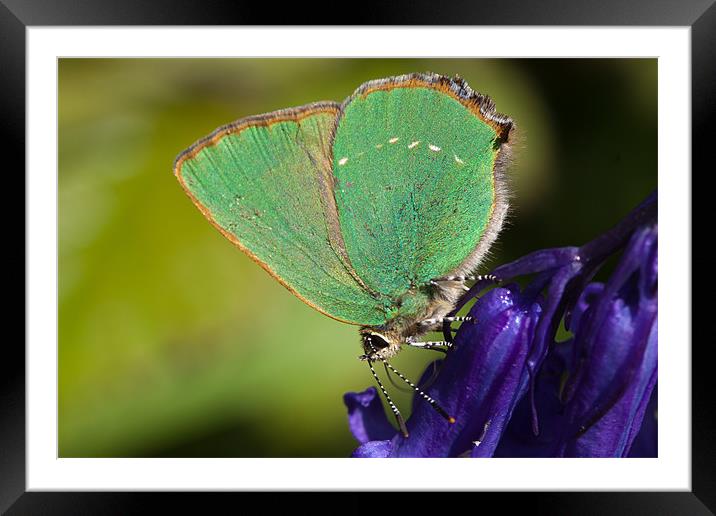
[[440, 345], [457, 318], [393, 407], [431, 323], [437, 320], [469, 277]]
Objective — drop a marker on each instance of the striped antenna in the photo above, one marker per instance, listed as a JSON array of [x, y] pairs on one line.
[[417, 389], [434, 404], [396, 412]]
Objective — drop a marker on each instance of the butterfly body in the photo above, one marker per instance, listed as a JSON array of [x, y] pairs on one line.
[[429, 303], [373, 211]]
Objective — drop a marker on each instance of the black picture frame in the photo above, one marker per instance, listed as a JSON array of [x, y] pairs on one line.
[[700, 15]]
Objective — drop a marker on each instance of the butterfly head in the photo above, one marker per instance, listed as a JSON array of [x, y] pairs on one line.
[[379, 345]]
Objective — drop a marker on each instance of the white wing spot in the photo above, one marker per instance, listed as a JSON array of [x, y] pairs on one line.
[[413, 145], [434, 148], [459, 160], [393, 140], [343, 161]]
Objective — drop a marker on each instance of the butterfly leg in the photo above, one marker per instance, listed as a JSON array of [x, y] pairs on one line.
[[462, 279], [441, 345], [427, 323], [469, 277], [437, 320], [433, 323]]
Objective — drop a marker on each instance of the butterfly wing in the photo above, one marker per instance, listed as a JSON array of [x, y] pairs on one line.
[[419, 189], [266, 183]]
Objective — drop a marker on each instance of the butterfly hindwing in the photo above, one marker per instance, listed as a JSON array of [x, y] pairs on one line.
[[266, 183], [418, 186]]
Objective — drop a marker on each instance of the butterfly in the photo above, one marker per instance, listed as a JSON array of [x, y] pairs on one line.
[[374, 211]]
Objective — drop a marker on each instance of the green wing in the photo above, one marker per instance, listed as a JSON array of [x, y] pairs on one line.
[[417, 160], [266, 183]]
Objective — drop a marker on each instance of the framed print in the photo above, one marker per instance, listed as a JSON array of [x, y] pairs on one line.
[[490, 209]]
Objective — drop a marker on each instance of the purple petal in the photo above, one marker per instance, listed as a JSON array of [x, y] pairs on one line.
[[366, 418], [606, 418], [646, 442], [373, 450], [617, 344], [519, 440], [537, 261], [547, 327], [589, 296], [480, 381]]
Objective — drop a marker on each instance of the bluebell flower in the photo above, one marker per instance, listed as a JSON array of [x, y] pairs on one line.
[[517, 392]]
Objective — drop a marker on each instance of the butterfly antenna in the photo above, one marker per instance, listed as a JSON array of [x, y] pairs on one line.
[[396, 412], [427, 398]]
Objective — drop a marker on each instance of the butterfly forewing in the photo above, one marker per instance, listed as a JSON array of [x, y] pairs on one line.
[[265, 183]]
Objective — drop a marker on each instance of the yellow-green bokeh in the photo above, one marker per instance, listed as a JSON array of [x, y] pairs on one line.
[[173, 343]]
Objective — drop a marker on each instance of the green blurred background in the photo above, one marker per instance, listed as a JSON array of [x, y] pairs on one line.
[[173, 343]]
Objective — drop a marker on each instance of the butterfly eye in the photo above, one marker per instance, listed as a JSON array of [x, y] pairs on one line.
[[378, 342]]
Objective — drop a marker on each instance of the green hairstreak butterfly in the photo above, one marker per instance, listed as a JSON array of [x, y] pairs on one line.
[[374, 211]]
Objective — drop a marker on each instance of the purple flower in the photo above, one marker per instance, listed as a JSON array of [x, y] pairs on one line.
[[517, 392]]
